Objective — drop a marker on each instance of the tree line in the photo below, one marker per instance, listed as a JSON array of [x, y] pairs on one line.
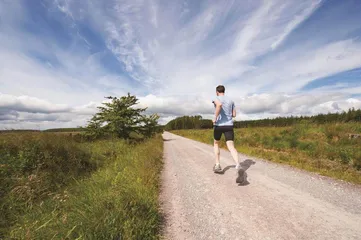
[[189, 122], [197, 122]]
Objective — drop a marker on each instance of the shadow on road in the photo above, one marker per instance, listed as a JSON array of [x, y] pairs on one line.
[[244, 166], [167, 140], [242, 174], [224, 170], [247, 164]]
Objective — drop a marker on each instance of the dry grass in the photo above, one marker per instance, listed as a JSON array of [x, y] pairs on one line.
[[54, 187]]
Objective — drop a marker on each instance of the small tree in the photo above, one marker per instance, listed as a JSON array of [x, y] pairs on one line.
[[119, 118]]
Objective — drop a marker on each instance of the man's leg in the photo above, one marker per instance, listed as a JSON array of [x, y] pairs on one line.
[[233, 150], [217, 152], [229, 134], [217, 134]]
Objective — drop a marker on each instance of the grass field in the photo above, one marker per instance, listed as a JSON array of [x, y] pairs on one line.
[[325, 149], [55, 187]]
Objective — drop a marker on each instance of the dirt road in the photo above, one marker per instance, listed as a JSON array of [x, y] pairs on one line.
[[278, 202]]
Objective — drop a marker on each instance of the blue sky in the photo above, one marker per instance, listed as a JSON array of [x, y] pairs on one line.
[[60, 58]]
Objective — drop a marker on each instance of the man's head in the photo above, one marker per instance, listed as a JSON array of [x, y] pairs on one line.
[[220, 90]]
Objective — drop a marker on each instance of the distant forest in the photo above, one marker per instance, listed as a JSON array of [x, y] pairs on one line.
[[197, 122], [79, 129]]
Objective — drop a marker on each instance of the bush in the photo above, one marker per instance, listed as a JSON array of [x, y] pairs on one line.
[[331, 132], [331, 153], [357, 160], [307, 146], [253, 140], [345, 156], [294, 142], [267, 141]]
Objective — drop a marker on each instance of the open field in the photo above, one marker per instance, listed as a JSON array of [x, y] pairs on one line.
[[55, 187], [325, 149]]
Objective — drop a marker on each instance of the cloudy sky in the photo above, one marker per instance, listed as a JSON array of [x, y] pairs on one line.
[[60, 58]]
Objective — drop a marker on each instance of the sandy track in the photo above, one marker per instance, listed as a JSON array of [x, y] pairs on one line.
[[278, 202]]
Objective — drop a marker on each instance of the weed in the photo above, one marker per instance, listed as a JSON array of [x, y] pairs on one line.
[[345, 156]]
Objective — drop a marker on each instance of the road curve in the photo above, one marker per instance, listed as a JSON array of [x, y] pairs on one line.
[[276, 202]]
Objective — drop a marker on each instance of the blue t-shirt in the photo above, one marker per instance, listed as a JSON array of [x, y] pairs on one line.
[[225, 116]]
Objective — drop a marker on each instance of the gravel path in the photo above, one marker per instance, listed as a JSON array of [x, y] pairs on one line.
[[276, 202]]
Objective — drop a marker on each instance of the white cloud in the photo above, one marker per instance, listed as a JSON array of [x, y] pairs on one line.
[[296, 104], [32, 112], [298, 19], [154, 12], [87, 109], [63, 6], [173, 56], [251, 107], [254, 106], [176, 106], [293, 69], [30, 104]]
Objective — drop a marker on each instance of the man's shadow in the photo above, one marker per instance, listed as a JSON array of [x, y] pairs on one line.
[[242, 174]]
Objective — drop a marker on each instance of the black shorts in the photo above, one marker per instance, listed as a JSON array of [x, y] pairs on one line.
[[227, 130]]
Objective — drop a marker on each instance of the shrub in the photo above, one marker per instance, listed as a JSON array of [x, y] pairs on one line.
[[345, 156], [267, 141], [331, 152], [357, 160], [331, 132], [294, 142], [306, 146]]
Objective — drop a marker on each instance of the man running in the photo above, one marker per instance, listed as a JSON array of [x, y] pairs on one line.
[[223, 124]]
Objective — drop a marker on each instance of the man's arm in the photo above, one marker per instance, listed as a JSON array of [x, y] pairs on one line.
[[234, 114], [218, 109]]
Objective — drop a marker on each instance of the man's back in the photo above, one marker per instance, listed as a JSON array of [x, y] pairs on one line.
[[225, 116]]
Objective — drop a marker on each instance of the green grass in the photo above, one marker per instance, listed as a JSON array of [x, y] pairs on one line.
[[325, 149], [58, 188]]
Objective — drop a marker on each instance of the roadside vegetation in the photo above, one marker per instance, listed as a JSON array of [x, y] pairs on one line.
[[331, 148], [197, 122], [97, 186]]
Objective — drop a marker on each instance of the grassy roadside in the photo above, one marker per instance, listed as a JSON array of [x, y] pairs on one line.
[[324, 149], [115, 197]]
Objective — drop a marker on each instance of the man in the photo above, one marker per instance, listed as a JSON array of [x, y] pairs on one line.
[[223, 124]]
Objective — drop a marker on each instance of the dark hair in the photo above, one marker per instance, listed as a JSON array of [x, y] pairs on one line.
[[220, 89]]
